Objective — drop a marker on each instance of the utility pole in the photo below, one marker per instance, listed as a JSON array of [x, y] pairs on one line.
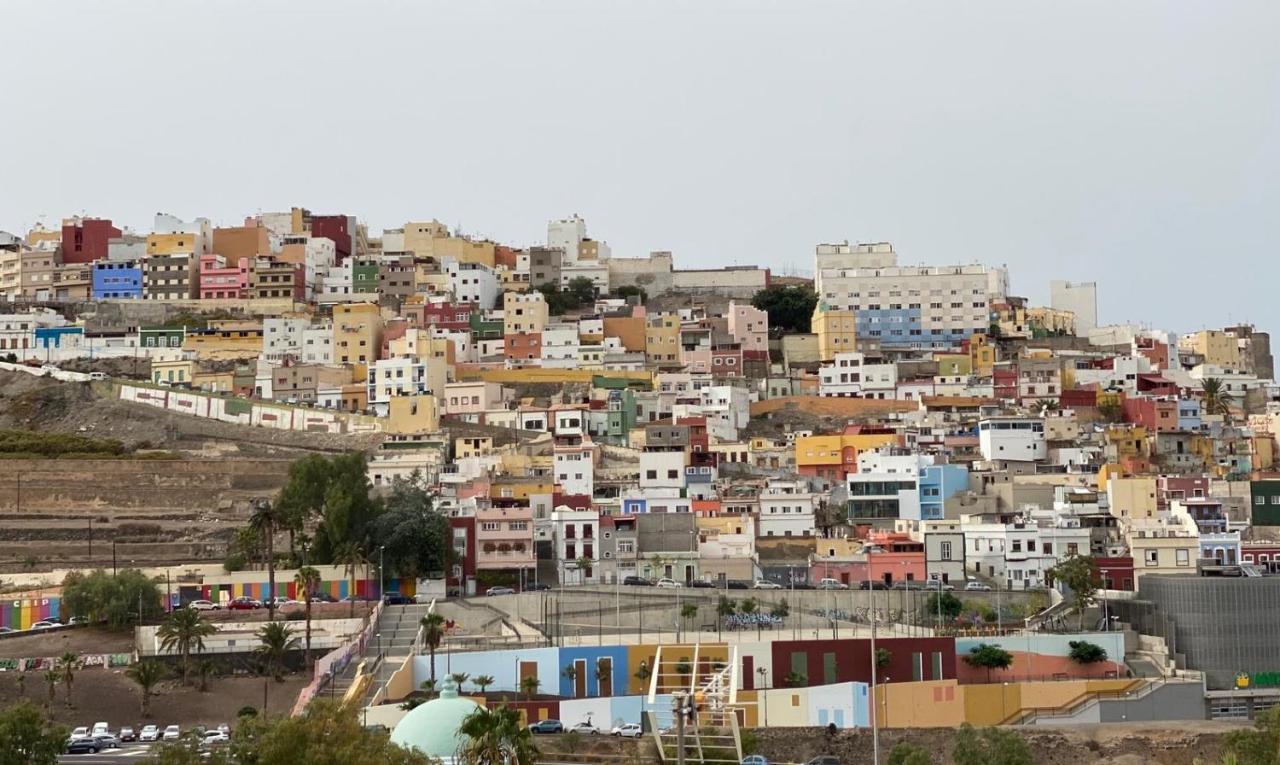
[[680, 713], [875, 716], [90, 542]]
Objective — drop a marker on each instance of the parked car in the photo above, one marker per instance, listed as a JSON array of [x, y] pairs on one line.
[[79, 733], [547, 726], [735, 584], [668, 583], [636, 581], [872, 584], [537, 587], [765, 584], [397, 599], [359, 599], [702, 584], [214, 737], [630, 730], [97, 375], [973, 585], [6, 630], [224, 728], [127, 734], [322, 597], [244, 604], [149, 733], [499, 591], [171, 733], [755, 759], [585, 727], [44, 625], [86, 745], [99, 728], [824, 759], [75, 620], [832, 584], [279, 602], [937, 584], [802, 586], [202, 605], [106, 740]]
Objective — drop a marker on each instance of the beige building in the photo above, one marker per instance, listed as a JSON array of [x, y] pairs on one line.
[[1133, 498], [37, 269], [836, 331], [357, 334], [1215, 347], [524, 312], [413, 414], [1169, 544]]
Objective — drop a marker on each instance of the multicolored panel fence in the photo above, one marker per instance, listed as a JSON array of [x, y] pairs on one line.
[[335, 588], [20, 614]]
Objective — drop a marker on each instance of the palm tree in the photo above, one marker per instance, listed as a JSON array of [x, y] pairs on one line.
[[726, 607], [460, 678], [146, 673], [428, 687], [604, 675], [482, 681], [530, 686], [351, 556], [687, 612], [205, 669], [583, 564], [433, 636], [276, 640], [571, 672], [1214, 397], [68, 663], [184, 631], [266, 518], [644, 673], [495, 737], [307, 580], [51, 678], [22, 684], [657, 562]]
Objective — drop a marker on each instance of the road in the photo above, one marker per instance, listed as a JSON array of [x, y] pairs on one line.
[[127, 753]]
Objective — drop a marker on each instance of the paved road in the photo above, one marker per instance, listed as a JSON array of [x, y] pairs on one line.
[[127, 753]]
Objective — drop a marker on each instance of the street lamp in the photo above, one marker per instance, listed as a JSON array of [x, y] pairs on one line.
[[382, 560]]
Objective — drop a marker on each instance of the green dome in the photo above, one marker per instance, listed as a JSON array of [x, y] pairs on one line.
[[432, 728]]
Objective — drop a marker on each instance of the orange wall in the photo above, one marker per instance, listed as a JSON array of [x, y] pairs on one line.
[[934, 704], [1036, 667]]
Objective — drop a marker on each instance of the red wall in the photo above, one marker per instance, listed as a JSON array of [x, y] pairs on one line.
[[853, 659], [88, 241], [335, 227]]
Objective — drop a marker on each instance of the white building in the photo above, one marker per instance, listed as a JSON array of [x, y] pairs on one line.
[[560, 346], [396, 377], [850, 376], [886, 486], [317, 345], [787, 509], [1079, 298], [576, 535], [282, 336], [574, 469], [662, 470], [1019, 439], [473, 283], [1018, 553]]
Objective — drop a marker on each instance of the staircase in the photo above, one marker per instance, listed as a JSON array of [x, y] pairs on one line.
[[712, 736]]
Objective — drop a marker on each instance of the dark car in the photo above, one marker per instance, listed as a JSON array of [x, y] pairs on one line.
[[537, 587], [86, 745], [701, 584], [824, 759], [637, 581], [322, 597], [547, 726], [872, 584], [397, 599], [802, 586], [243, 604], [737, 585], [359, 599]]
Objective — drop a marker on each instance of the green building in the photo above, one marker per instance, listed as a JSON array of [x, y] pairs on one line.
[[1265, 501]]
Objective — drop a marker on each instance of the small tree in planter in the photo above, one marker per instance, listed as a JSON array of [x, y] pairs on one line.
[[683, 668], [1084, 652], [990, 657], [571, 672], [796, 680]]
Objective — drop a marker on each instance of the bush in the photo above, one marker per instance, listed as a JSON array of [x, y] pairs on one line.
[[234, 562]]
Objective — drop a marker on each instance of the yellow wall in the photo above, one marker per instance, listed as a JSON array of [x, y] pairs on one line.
[[837, 331], [353, 323], [1217, 348], [172, 244], [950, 364], [826, 450], [1132, 497], [413, 414], [536, 375], [662, 339], [982, 355], [235, 345], [933, 704]]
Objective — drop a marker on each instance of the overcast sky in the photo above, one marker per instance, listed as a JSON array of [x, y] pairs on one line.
[[1135, 143]]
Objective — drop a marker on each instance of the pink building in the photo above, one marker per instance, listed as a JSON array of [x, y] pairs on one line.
[[470, 400], [504, 538], [220, 281], [749, 326]]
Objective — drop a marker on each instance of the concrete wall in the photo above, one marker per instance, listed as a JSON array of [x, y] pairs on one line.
[[1174, 701], [242, 411]]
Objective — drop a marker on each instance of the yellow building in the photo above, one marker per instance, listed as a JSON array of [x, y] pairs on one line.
[[472, 446], [1131, 498], [1169, 544], [215, 382], [357, 333], [833, 456], [524, 312], [521, 488], [982, 355], [837, 331], [173, 371], [225, 340], [1128, 441], [1215, 346], [954, 364], [413, 414], [662, 339], [38, 235], [181, 243]]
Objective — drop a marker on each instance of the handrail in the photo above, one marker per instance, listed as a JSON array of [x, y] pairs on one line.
[[1085, 699]]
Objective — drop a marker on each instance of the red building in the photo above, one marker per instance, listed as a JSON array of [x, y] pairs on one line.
[[726, 360], [1158, 415], [698, 439], [463, 569], [523, 348], [1004, 381], [451, 317], [1073, 398], [823, 662], [84, 240], [336, 227], [1180, 487], [1116, 573]]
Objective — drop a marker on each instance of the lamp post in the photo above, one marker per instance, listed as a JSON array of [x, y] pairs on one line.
[[382, 560], [875, 717]]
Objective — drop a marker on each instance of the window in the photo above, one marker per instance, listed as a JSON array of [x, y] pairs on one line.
[[1152, 557], [489, 526], [1183, 557], [944, 551]]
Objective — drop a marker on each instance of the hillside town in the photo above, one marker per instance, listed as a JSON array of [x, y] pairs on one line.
[[587, 423]]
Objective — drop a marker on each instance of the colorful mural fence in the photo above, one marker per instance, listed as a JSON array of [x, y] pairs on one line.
[[39, 663], [20, 614], [335, 588]]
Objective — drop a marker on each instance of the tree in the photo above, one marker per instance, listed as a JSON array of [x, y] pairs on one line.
[[583, 565], [265, 520], [1259, 746], [496, 737], [1213, 397], [643, 673], [27, 739], [946, 603], [904, 753], [275, 641], [482, 681], [51, 679], [790, 307], [415, 536], [582, 289], [725, 608], [749, 607], [432, 636], [184, 631], [351, 556], [796, 679], [205, 669], [68, 663], [460, 678], [687, 612], [328, 733], [307, 580], [302, 496], [604, 675], [884, 657], [990, 746], [348, 510], [1047, 405], [529, 685], [116, 600], [1111, 410], [1080, 574], [990, 657], [558, 301], [147, 674], [22, 684], [780, 610], [428, 687], [630, 290], [1084, 652], [571, 673]]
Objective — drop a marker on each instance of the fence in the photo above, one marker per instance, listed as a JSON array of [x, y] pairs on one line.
[[334, 663], [38, 663]]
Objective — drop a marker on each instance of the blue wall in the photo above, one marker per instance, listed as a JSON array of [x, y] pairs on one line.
[[117, 281], [589, 654], [948, 481]]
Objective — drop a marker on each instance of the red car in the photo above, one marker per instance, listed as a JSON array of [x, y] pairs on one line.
[[243, 604]]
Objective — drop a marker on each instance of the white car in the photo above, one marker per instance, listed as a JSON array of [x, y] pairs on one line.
[[203, 605], [630, 730], [97, 375], [832, 584], [974, 585], [46, 625], [149, 733], [585, 727], [99, 728], [668, 583], [214, 737], [172, 733], [765, 584], [79, 733]]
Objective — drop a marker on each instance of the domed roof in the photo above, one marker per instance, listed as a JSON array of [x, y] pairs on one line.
[[432, 728]]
